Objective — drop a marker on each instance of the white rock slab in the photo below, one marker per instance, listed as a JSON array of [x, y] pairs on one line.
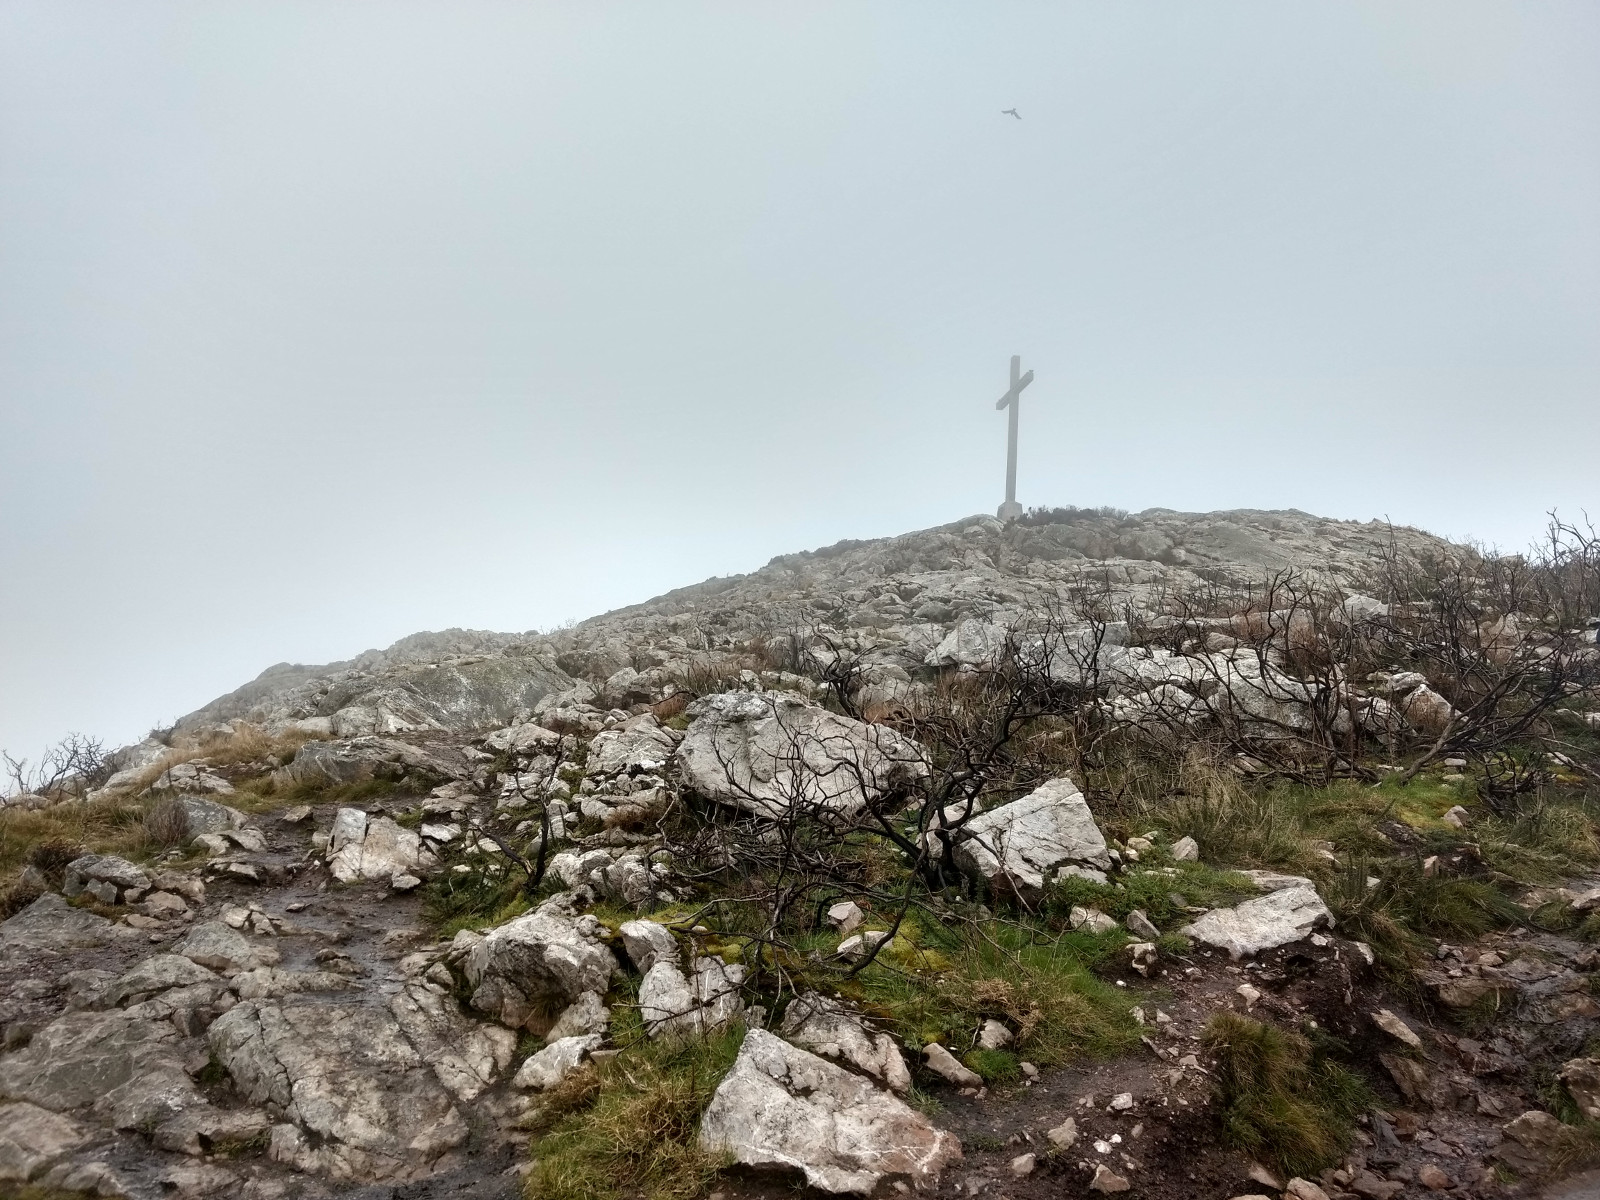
[[780, 1106], [1265, 923]]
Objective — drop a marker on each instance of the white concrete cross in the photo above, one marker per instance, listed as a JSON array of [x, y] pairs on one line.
[[1011, 510]]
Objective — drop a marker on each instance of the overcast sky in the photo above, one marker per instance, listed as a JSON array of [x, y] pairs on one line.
[[324, 323]]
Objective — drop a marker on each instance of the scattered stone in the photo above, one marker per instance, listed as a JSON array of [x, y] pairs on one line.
[[1266, 1178], [1121, 1102], [1090, 920], [1411, 1077], [1141, 926], [1186, 849], [1434, 1179], [771, 753], [994, 1036], [846, 916], [1582, 1079], [648, 943], [1106, 1180], [1396, 1028], [942, 1063], [1063, 1135], [1022, 1165], [1304, 1189], [1273, 920], [115, 875], [221, 948], [1249, 993], [360, 847], [858, 945], [1457, 816], [780, 1106], [585, 1015], [404, 883]]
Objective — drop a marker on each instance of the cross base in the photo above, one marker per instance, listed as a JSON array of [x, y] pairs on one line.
[[1009, 511]]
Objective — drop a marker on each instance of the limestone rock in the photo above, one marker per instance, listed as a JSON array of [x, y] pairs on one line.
[[117, 873], [944, 1064], [835, 1030], [587, 1014], [1396, 1028], [1023, 843], [556, 1061], [525, 739], [671, 1002], [360, 847], [846, 916], [192, 777], [465, 1055], [774, 753], [358, 1100], [994, 1036], [363, 758], [31, 1138], [549, 956], [1185, 849], [1273, 920], [126, 1063], [648, 943], [1091, 920], [1107, 1181], [220, 947], [1582, 1078], [780, 1106], [158, 973], [638, 745], [53, 925], [1064, 1135]]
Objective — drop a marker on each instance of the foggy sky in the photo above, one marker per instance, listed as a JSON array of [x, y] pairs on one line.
[[324, 323]]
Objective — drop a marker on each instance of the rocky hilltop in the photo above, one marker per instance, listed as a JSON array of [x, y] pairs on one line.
[[1182, 855]]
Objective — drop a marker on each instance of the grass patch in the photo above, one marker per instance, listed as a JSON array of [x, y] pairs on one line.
[[108, 826], [1282, 1097], [1152, 892], [455, 901], [633, 1127], [996, 1066], [1036, 982]]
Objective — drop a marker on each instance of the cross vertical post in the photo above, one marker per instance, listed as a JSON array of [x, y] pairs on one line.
[[1011, 510]]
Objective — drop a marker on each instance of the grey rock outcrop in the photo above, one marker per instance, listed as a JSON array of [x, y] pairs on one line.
[[774, 753], [354, 1098], [549, 956], [51, 924], [783, 1107]]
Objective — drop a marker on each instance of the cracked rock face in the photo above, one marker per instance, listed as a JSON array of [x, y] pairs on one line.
[[780, 1106], [771, 752], [1273, 920], [360, 847], [539, 961], [672, 1002], [354, 1097], [835, 1030], [1024, 842]]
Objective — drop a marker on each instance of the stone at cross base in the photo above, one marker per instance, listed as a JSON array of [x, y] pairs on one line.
[[1009, 511]]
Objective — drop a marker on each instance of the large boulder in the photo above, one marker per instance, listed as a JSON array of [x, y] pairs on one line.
[[1273, 920], [780, 1106], [220, 947], [53, 925], [355, 1098], [834, 1030], [1023, 844], [536, 964], [466, 1055], [362, 847], [774, 754]]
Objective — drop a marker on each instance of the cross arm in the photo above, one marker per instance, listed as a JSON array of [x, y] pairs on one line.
[[1011, 396]]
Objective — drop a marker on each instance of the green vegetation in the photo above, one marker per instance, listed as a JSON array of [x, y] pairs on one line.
[[629, 1126], [1281, 1095]]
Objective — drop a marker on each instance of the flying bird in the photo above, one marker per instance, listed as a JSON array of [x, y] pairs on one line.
[[1010, 112]]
